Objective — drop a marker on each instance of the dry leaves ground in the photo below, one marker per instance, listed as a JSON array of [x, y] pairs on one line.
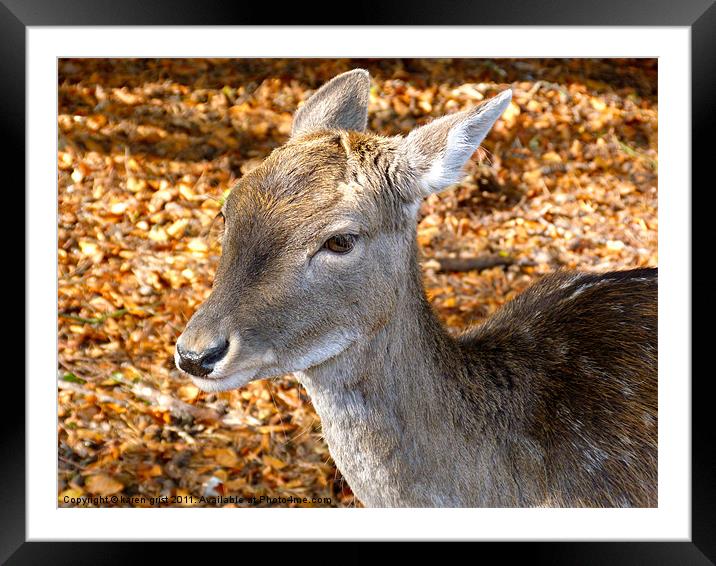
[[148, 148]]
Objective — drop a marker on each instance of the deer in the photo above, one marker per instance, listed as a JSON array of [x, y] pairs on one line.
[[550, 402]]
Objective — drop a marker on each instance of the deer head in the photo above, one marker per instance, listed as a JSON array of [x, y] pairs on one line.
[[319, 240]]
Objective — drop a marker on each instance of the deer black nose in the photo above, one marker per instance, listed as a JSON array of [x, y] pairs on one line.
[[201, 364]]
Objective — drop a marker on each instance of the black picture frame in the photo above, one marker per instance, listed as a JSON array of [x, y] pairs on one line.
[[698, 15]]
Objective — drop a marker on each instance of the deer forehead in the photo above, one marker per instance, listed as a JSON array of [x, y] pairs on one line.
[[314, 182]]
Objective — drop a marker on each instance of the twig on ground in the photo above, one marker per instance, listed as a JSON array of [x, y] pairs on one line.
[[469, 263], [101, 318]]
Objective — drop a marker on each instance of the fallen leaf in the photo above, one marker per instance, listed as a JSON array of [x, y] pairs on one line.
[[102, 484]]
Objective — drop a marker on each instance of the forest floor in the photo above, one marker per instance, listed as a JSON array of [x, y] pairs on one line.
[[147, 150]]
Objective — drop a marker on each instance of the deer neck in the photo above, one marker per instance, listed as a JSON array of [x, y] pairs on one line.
[[388, 404], [411, 346]]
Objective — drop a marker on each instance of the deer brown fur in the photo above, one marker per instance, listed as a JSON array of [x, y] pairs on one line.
[[550, 402]]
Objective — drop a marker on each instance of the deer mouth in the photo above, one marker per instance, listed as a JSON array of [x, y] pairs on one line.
[[225, 383]]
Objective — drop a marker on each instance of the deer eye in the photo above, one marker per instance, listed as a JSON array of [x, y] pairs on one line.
[[340, 243]]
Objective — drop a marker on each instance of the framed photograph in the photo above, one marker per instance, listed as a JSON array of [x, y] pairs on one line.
[[387, 281]]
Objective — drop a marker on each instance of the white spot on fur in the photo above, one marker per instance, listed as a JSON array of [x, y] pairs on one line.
[[593, 459], [579, 290], [622, 502], [606, 281]]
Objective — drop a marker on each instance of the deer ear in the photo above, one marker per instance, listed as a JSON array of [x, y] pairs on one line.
[[341, 103], [435, 153]]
